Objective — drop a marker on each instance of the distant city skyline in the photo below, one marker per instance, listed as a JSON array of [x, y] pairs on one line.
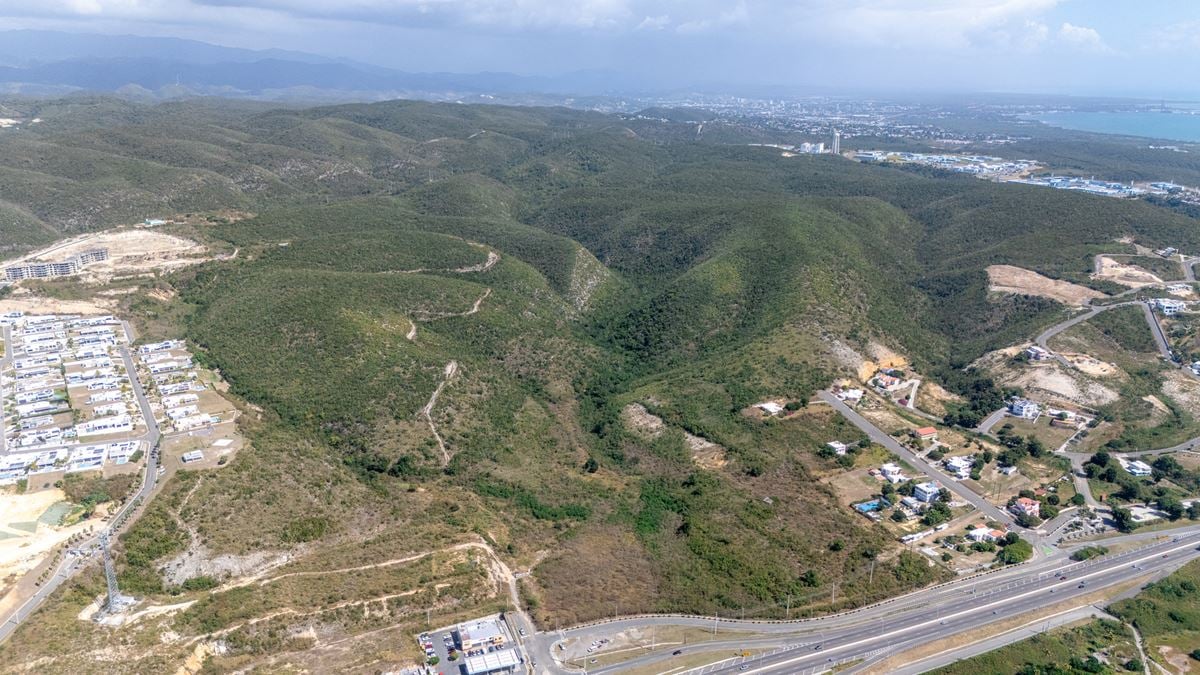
[[1100, 47]]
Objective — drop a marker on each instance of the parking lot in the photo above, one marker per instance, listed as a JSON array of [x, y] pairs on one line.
[[442, 642]]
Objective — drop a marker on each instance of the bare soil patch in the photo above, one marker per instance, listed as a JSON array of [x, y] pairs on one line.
[[704, 452], [1124, 274], [1090, 365], [1011, 279]]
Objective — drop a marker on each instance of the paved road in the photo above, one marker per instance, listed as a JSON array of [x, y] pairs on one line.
[[70, 565], [1003, 640], [992, 420], [878, 436], [5, 362], [916, 618], [879, 639], [1164, 349]]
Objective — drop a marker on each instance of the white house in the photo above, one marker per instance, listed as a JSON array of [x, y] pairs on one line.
[[959, 466], [926, 492], [1036, 353], [1137, 468], [1169, 306], [837, 446], [769, 407], [850, 395], [1024, 408], [892, 472]]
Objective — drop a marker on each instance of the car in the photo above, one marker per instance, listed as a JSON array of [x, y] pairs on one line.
[[1164, 555], [818, 648], [744, 666], [1081, 585], [677, 652], [521, 631]]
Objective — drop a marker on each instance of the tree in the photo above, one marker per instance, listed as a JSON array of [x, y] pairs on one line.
[[1016, 552], [1171, 505], [936, 514], [1123, 519], [591, 465], [988, 456], [1077, 499], [836, 545], [1011, 538], [899, 516]]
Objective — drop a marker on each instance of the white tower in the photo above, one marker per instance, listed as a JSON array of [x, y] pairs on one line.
[[837, 142]]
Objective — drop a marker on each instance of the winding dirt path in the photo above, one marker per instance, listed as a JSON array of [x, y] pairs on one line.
[[427, 412], [429, 316]]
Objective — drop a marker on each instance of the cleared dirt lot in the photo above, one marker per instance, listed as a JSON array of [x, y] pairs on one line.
[[24, 540], [1122, 273], [130, 253], [1011, 279]]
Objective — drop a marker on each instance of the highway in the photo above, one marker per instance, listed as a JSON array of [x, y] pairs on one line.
[[974, 611], [878, 436], [72, 564], [894, 625]]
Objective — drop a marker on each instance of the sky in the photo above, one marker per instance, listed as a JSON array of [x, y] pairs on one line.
[[1097, 47]]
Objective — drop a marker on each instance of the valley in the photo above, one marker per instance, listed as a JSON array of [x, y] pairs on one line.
[[569, 373]]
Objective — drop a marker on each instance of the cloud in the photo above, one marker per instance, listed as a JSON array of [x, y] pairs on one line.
[[927, 24], [1082, 37], [1180, 35], [654, 22]]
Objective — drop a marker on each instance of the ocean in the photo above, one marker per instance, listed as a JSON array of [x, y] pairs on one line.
[[1167, 126]]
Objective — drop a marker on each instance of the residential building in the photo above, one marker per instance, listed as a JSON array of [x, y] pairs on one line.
[[769, 407], [837, 446], [1138, 468], [1027, 506], [892, 473], [1169, 306], [926, 433], [927, 492], [1024, 408], [981, 533], [959, 466], [1036, 353], [850, 395]]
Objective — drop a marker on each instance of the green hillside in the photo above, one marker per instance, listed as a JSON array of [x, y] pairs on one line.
[[692, 278]]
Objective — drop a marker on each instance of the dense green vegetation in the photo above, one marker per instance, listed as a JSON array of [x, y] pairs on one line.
[[692, 278]]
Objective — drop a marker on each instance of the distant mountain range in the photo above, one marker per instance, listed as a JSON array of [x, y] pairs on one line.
[[51, 62]]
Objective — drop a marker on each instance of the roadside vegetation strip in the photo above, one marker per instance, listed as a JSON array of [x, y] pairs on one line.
[[1074, 567]]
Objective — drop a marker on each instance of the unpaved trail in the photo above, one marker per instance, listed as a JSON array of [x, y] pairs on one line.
[[411, 335], [385, 563], [498, 571], [427, 412], [489, 263], [429, 316]]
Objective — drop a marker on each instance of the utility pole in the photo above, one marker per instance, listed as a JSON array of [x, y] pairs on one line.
[[789, 607], [833, 601], [715, 616]]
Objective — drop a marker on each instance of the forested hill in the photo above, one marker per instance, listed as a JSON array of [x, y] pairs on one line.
[[568, 264]]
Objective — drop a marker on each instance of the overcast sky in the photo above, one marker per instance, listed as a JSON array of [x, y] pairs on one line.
[[1143, 47]]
